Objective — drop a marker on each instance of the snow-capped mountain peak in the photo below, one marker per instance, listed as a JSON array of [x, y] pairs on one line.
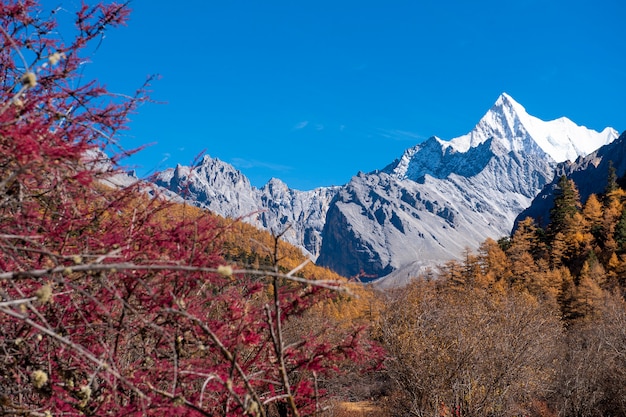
[[442, 197], [437, 200], [510, 128], [509, 122]]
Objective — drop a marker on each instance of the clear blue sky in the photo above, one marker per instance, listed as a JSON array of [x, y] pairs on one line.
[[312, 92]]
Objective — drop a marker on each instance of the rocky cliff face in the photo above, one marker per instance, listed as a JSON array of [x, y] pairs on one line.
[[219, 187], [443, 197], [397, 223], [304, 212], [590, 174]]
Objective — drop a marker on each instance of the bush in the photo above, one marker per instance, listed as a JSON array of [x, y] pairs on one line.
[[114, 303]]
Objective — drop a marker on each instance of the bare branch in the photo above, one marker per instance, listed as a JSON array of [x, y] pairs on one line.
[[94, 267]]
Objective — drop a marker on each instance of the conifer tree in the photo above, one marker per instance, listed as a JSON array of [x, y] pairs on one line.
[[568, 296], [588, 295], [611, 184], [566, 205], [620, 232], [494, 262], [525, 239], [593, 216]]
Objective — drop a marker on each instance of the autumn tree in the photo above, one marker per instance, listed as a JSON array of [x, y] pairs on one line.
[[592, 376], [593, 214], [495, 265], [471, 353]]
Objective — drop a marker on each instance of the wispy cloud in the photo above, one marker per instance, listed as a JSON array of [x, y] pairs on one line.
[[307, 124], [401, 135], [301, 125], [243, 163]]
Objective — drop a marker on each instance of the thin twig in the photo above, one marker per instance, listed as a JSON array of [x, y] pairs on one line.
[[77, 348], [227, 354], [93, 267], [17, 302]]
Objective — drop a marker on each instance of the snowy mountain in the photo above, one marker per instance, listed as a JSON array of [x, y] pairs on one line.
[[516, 130], [219, 187], [443, 197], [437, 200]]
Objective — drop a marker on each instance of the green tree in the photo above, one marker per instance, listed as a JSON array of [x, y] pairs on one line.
[[620, 232], [611, 184], [566, 205]]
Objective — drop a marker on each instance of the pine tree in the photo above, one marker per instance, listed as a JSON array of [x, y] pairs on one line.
[[589, 294], [472, 272], [568, 296], [525, 239], [494, 262], [611, 184], [566, 205], [620, 232]]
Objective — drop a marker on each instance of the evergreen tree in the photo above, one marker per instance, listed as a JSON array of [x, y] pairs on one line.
[[611, 184], [568, 296], [566, 205], [620, 232]]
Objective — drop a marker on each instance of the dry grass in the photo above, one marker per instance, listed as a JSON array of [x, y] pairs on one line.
[[355, 409]]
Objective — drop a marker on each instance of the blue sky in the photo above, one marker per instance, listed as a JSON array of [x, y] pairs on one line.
[[312, 92]]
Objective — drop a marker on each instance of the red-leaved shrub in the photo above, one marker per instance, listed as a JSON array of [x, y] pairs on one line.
[[113, 302]]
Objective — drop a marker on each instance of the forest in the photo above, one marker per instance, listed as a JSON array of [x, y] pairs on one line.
[[115, 300], [534, 324]]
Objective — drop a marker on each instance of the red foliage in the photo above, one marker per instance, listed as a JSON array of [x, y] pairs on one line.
[[110, 303]]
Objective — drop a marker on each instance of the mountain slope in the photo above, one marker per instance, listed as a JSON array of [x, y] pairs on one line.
[[219, 187], [438, 199], [589, 173], [442, 197]]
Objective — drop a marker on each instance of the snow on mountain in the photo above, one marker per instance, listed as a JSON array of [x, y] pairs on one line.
[[443, 197], [219, 187], [589, 173], [509, 123], [437, 200]]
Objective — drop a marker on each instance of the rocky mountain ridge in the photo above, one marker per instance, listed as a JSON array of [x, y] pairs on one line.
[[219, 187], [437, 200], [589, 173]]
